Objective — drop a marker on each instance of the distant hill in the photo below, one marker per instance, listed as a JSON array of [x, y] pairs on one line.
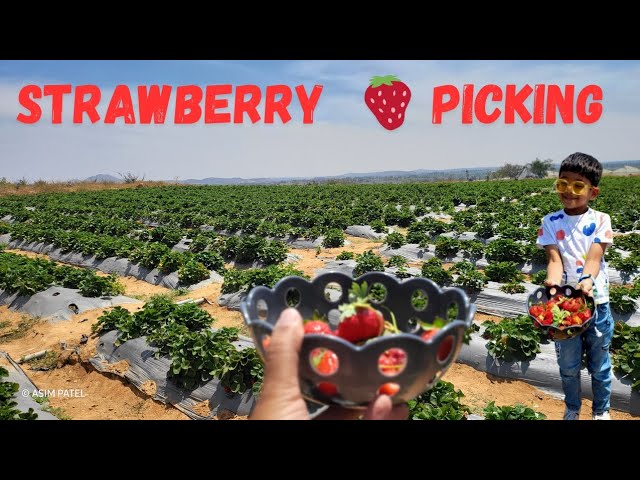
[[388, 176], [370, 177], [103, 178]]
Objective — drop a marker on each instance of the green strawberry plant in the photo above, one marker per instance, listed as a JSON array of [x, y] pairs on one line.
[[211, 260], [395, 240], [379, 226], [512, 288], [192, 272], [466, 339], [368, 262], [333, 238], [273, 253], [513, 339], [539, 277], [182, 332], [625, 353], [110, 320], [7, 404], [622, 299], [506, 250], [28, 276], [442, 402], [469, 277], [345, 256], [471, 249], [508, 412], [95, 286], [433, 270], [447, 247], [503, 272]]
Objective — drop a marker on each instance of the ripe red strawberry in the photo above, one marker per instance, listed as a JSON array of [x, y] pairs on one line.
[[389, 389], [537, 311], [431, 329], [324, 361], [585, 314], [328, 389], [428, 334], [359, 321], [317, 326], [445, 349], [392, 361], [388, 98]]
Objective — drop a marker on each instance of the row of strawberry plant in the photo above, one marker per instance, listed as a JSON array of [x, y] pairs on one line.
[[182, 332], [8, 410], [443, 402], [190, 267], [245, 280], [517, 339], [625, 352], [94, 223], [506, 208], [210, 249], [512, 249], [466, 275], [27, 276]]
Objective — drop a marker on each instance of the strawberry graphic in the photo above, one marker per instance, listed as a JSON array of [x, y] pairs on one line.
[[387, 98], [359, 320]]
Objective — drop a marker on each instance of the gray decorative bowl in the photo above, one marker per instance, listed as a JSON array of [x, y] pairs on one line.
[[559, 333], [359, 376]]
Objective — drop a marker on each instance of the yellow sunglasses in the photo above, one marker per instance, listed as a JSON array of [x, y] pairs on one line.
[[577, 187]]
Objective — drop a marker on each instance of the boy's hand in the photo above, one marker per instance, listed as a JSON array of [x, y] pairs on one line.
[[551, 283], [586, 286]]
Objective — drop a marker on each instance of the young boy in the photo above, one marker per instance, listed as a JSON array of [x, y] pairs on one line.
[[575, 239]]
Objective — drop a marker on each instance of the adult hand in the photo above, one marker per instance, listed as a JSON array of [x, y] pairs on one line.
[[281, 398]]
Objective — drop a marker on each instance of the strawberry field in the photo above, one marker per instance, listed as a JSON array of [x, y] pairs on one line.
[[479, 236]]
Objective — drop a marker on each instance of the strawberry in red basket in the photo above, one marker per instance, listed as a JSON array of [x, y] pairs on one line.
[[388, 98], [359, 321]]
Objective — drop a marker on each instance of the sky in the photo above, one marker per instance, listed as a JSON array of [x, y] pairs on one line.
[[344, 136]]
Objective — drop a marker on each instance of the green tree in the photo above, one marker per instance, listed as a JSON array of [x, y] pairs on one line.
[[508, 171], [540, 167]]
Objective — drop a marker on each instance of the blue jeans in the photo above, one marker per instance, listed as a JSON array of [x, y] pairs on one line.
[[595, 341]]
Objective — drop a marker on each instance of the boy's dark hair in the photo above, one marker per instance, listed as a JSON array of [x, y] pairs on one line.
[[585, 165]]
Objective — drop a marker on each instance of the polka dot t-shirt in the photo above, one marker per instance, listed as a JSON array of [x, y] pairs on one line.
[[574, 235]]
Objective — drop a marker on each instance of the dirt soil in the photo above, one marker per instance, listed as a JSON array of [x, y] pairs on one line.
[[107, 396]]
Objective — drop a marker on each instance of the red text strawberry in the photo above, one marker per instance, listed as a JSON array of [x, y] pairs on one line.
[[388, 98]]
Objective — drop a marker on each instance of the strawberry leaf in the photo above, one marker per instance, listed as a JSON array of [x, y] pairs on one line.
[[383, 80]]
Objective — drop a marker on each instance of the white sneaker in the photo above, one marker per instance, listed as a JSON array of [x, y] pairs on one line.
[[602, 416], [571, 415]]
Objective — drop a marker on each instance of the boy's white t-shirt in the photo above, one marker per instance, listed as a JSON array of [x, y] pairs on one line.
[[574, 235]]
